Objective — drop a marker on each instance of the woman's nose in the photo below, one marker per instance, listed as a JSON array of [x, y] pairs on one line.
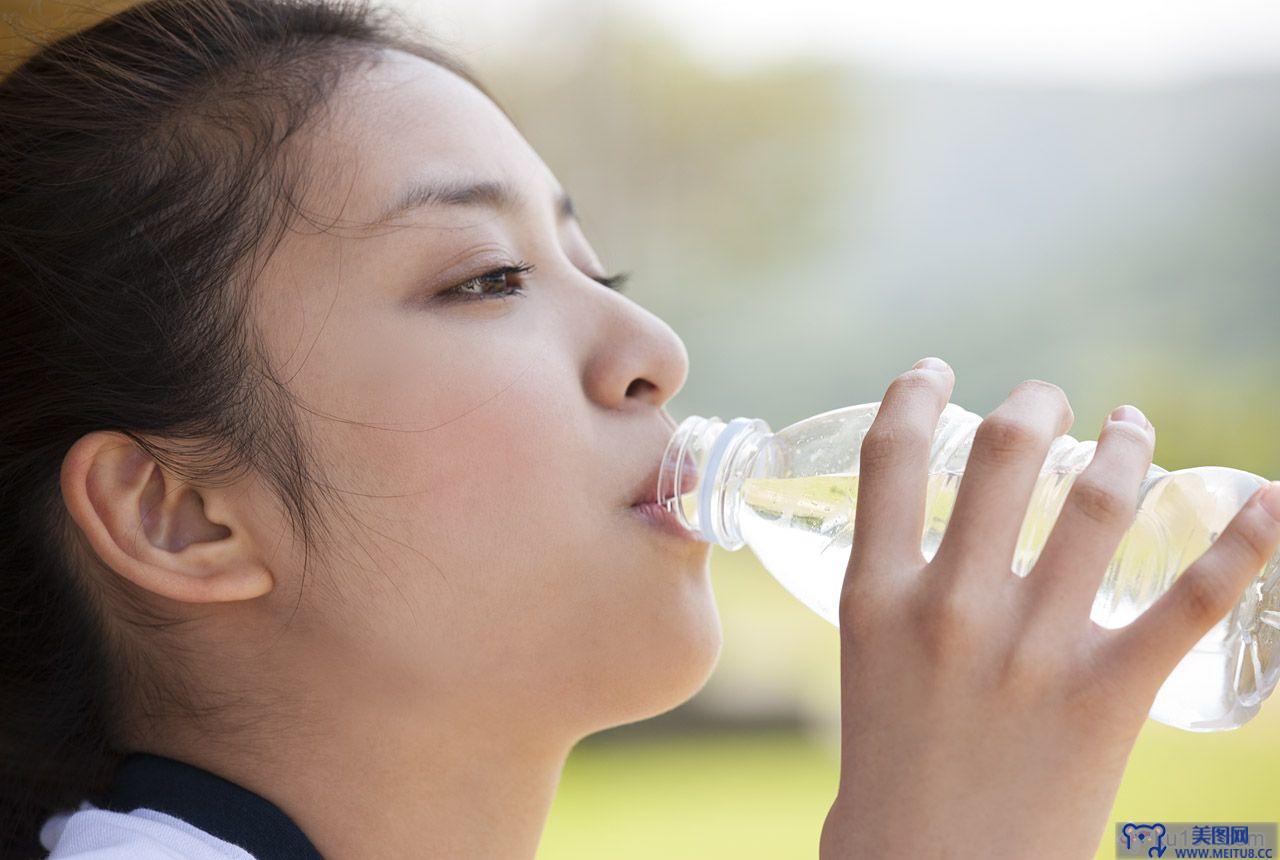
[[636, 358]]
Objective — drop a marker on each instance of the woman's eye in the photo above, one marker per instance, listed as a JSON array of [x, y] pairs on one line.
[[503, 281], [509, 281]]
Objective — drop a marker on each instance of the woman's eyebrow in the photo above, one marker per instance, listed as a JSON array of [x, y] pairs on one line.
[[494, 194]]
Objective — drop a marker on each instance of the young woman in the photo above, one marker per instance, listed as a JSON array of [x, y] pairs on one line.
[[320, 449]]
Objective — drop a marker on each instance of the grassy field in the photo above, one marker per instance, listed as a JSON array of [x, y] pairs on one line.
[[704, 797], [766, 796]]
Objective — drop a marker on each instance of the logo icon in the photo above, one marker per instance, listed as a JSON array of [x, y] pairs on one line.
[[1149, 836]]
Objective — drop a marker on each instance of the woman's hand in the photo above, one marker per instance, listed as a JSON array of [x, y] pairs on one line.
[[984, 714]]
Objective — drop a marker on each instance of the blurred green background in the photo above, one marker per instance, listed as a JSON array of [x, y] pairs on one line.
[[811, 222]]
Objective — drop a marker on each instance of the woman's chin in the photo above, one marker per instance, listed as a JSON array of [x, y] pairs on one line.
[[674, 664]]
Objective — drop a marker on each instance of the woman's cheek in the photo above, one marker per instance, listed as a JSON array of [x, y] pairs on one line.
[[498, 478]]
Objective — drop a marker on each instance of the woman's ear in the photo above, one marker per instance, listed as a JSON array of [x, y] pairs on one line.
[[156, 530]]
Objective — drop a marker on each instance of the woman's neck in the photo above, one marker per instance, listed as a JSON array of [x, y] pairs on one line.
[[364, 781]]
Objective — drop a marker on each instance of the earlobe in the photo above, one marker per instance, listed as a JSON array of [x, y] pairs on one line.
[[152, 528]]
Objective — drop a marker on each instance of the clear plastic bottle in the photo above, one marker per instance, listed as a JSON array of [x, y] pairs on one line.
[[790, 496]]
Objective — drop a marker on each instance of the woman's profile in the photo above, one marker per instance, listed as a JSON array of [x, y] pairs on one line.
[[322, 432]]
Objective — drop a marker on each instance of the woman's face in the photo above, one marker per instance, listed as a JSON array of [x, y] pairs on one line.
[[489, 448]]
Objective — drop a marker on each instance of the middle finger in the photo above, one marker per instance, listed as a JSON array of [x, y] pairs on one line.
[[1009, 449]]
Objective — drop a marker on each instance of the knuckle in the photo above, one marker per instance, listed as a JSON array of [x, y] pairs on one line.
[[1028, 669], [1099, 502], [1205, 597], [1044, 389], [914, 380], [851, 606], [861, 609], [886, 441], [1041, 388], [1248, 544], [1132, 434], [1099, 689], [1091, 700], [950, 622], [1001, 439], [847, 611]]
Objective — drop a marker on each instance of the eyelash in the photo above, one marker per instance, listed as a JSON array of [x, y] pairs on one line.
[[613, 282]]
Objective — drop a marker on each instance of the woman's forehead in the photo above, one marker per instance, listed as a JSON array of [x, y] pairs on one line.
[[404, 116]]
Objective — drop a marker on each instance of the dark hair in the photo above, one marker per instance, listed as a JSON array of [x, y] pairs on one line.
[[143, 177]]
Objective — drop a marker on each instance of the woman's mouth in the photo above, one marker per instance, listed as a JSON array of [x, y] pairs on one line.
[[660, 518]]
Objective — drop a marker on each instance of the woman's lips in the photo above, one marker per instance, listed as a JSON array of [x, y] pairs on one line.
[[661, 518]]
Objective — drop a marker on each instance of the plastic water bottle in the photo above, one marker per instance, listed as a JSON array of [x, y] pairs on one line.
[[790, 496]]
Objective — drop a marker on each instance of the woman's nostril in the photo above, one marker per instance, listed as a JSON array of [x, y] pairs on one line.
[[639, 386]]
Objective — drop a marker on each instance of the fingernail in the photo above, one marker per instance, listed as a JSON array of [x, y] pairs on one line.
[[1131, 414], [1271, 500], [931, 363]]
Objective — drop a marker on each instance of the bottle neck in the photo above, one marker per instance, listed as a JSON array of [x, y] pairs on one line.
[[703, 471]]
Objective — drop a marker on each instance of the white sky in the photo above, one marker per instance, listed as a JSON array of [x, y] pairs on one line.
[[1101, 41]]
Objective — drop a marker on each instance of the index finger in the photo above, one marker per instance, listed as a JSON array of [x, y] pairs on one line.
[[893, 468]]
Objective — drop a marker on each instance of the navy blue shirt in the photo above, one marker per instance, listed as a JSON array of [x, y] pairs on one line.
[[205, 800]]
